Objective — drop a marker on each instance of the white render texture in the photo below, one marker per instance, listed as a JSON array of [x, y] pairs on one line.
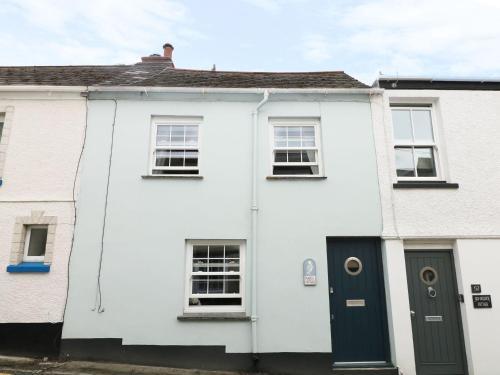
[[44, 141], [469, 139], [466, 219], [149, 220]]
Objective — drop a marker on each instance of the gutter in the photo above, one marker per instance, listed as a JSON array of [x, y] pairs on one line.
[[219, 90], [254, 210], [41, 88]]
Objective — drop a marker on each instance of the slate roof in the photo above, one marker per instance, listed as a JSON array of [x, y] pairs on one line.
[[163, 75], [413, 83]]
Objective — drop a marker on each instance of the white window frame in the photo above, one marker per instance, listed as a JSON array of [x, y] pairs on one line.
[[416, 144], [296, 122], [189, 274], [26, 257], [174, 120]]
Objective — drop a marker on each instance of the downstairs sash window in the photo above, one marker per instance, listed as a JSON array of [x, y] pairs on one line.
[[215, 276]]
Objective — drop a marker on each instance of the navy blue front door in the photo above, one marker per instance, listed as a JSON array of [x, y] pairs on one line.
[[357, 301]]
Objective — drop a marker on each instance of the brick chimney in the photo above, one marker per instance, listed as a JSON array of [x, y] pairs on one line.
[[167, 50], [157, 59]]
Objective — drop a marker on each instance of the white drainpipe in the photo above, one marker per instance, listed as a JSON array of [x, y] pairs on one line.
[[254, 208]]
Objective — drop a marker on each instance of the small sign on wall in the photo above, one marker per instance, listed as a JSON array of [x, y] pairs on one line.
[[476, 288], [309, 272], [482, 301]]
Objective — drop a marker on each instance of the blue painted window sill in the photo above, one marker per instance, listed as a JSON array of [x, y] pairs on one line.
[[28, 267]]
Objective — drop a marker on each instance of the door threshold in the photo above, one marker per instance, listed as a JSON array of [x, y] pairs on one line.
[[363, 364]]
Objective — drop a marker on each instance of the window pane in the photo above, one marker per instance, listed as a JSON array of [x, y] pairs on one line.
[[215, 302], [294, 156], [308, 139], [162, 158], [191, 158], [231, 284], [280, 156], [200, 251], [176, 171], [294, 136], [177, 158], [1, 129], [280, 136], [422, 125], [295, 170], [402, 125], [200, 265], [163, 135], [232, 251], [38, 240], [404, 162], [177, 137], [216, 251], [200, 285], [191, 135], [215, 284], [425, 162], [309, 156]]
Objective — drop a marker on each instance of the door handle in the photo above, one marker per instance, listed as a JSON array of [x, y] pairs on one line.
[[412, 313]]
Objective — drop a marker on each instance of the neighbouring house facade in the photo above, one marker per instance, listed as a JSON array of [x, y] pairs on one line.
[[228, 220], [438, 151], [41, 135]]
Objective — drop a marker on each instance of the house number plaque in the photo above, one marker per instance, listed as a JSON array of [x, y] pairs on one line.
[[309, 272]]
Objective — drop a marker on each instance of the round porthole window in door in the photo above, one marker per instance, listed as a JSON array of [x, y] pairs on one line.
[[428, 275], [353, 266]]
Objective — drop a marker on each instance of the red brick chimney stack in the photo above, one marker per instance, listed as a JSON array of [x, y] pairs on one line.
[[167, 50], [166, 59]]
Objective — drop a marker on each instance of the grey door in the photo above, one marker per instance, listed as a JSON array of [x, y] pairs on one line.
[[434, 305]]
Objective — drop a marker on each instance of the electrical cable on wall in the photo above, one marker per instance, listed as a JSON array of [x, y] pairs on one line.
[[84, 140], [98, 301]]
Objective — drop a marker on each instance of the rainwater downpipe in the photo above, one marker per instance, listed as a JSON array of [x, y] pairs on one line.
[[254, 209]]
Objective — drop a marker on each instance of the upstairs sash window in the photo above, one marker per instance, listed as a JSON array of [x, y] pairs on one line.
[[175, 148], [415, 144], [296, 149]]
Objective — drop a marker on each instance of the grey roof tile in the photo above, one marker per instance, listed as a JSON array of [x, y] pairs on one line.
[[164, 75]]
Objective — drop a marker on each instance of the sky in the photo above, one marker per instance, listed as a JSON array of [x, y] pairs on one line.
[[365, 38]]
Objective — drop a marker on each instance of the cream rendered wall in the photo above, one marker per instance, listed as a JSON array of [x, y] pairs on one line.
[[468, 218], [44, 144]]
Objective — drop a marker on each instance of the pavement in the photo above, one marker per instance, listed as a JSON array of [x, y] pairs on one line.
[[23, 365]]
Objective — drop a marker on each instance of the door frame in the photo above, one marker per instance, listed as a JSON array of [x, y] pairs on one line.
[[383, 305], [450, 249]]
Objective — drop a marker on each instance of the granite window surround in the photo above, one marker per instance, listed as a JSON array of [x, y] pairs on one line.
[[19, 237], [6, 116]]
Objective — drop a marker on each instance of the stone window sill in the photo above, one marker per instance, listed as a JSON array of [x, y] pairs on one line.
[[172, 176], [28, 267], [278, 177], [217, 317], [424, 185]]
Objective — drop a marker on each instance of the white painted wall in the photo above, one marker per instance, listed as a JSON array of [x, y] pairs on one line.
[[149, 220], [469, 217], [468, 126], [477, 263], [44, 143]]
